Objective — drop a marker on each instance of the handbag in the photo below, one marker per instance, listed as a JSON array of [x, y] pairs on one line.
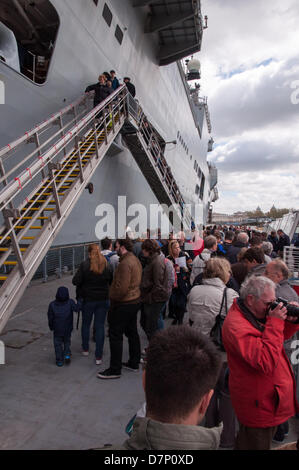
[[216, 331]]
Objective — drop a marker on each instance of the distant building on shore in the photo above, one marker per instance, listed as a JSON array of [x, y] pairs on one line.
[[239, 217]]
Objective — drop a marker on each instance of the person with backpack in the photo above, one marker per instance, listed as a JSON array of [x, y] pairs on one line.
[[61, 319], [92, 280], [111, 256], [154, 287]]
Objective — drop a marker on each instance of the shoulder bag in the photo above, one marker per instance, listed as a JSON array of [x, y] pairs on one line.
[[216, 331]]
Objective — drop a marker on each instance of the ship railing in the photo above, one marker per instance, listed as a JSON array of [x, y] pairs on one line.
[[291, 258], [62, 260], [59, 260]]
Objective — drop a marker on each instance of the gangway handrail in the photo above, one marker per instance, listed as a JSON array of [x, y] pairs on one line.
[[38, 149], [37, 128], [291, 258], [9, 191]]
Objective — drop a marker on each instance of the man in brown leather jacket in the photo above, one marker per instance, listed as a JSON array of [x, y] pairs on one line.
[[122, 317], [154, 287]]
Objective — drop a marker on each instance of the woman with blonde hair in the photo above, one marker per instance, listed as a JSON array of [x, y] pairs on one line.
[[92, 280]]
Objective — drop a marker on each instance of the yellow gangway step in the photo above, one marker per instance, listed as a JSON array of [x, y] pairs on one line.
[[30, 218], [23, 238], [6, 249], [10, 263], [38, 209], [20, 227], [3, 278]]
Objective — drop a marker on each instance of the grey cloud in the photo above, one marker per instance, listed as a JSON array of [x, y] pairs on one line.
[[240, 105], [253, 156]]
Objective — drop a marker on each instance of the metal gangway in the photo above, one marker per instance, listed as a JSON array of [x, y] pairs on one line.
[[45, 171], [146, 146]]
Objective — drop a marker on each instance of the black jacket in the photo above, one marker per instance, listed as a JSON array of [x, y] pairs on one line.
[[274, 241], [233, 250], [101, 92], [91, 286], [60, 313], [131, 88], [284, 240]]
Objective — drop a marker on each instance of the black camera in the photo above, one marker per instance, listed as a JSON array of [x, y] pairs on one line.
[[292, 310]]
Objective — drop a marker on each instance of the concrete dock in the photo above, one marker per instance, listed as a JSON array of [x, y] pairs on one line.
[[68, 408], [43, 407]]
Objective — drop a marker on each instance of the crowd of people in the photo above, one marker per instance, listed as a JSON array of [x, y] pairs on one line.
[[106, 85], [226, 281]]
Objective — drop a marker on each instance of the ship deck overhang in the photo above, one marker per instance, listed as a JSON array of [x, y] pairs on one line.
[[177, 25]]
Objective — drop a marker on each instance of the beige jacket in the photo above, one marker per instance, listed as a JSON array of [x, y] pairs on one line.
[[204, 302]]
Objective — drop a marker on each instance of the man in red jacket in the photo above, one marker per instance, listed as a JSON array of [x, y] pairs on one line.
[[261, 381]]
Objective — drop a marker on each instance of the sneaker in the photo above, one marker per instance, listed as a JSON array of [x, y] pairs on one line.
[[279, 435], [143, 360], [143, 352], [126, 365], [85, 353], [67, 359], [98, 361], [59, 363], [108, 374]]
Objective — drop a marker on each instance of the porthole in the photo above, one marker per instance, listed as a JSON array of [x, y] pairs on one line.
[[107, 15], [119, 34]]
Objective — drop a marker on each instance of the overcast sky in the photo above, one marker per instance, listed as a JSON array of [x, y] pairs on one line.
[[250, 59]]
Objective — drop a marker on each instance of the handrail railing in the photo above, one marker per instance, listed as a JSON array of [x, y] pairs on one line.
[[24, 138], [9, 191], [151, 140], [291, 258]]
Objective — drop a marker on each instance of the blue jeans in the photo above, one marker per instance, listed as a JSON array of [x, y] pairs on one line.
[[99, 309], [161, 318]]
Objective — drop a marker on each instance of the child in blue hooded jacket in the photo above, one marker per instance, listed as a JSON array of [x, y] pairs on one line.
[[61, 318]]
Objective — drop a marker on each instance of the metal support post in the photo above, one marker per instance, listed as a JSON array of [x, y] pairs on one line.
[[62, 134], [79, 158], [52, 167], [112, 117], [8, 215], [37, 143], [96, 139]]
